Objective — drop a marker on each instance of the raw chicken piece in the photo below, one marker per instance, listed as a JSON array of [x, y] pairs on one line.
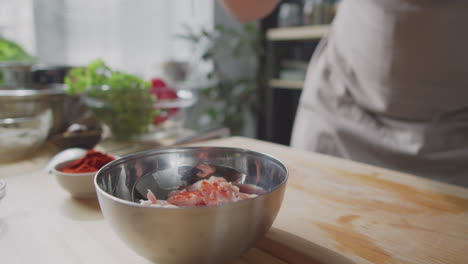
[[185, 198], [217, 191], [145, 202], [214, 191], [164, 204], [160, 203], [213, 179], [151, 197], [153, 201]]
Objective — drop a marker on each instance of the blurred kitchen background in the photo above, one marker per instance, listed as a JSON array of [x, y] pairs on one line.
[[208, 70]]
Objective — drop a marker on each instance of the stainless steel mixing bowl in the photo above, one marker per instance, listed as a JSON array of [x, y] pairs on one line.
[[207, 234], [21, 103], [20, 136], [16, 73]]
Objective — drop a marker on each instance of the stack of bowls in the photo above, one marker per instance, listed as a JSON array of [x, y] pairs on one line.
[[23, 102], [28, 112]]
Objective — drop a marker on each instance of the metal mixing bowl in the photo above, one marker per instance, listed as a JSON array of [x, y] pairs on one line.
[[20, 136], [206, 234], [21, 103], [16, 73]]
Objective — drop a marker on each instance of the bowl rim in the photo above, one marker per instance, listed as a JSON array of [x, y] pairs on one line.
[[186, 98], [141, 154], [53, 89]]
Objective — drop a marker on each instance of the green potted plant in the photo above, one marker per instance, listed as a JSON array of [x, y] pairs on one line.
[[230, 97]]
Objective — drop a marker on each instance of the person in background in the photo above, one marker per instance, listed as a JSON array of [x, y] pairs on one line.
[[387, 86]]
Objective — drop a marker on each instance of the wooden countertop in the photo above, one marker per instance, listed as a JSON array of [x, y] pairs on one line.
[[334, 211]]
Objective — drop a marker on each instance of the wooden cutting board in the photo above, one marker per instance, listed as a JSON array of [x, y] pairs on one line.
[[362, 213], [280, 247]]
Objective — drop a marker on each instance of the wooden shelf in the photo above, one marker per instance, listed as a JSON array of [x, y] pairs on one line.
[[276, 83], [297, 33]]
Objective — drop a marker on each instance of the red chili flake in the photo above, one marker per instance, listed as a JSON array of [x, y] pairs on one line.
[[91, 162]]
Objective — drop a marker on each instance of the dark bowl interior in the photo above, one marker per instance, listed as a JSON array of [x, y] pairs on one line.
[[164, 170]]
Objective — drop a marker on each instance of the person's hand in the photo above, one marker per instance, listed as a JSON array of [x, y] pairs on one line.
[[248, 10]]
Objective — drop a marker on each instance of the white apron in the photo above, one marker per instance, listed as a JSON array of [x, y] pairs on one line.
[[389, 86]]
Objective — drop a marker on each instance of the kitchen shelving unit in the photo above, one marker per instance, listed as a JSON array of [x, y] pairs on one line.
[[282, 96]]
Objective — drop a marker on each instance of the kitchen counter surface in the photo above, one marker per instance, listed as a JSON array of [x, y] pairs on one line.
[[334, 211]]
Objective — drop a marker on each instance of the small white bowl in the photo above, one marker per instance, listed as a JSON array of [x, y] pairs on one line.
[[79, 185]]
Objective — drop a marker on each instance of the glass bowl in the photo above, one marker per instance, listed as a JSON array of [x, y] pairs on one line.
[[171, 115], [127, 111], [133, 116]]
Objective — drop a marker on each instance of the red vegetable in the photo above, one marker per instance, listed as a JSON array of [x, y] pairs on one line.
[[91, 162], [160, 89], [157, 83]]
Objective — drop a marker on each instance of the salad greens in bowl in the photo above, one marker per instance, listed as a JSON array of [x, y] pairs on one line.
[[120, 100], [126, 110]]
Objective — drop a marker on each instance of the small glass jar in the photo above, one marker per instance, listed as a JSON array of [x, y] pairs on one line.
[[317, 12], [289, 15], [308, 12], [2, 189]]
